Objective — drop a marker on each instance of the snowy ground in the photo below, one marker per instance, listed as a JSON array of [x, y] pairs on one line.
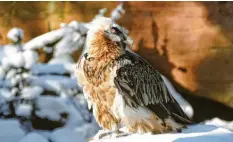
[[11, 131], [195, 133]]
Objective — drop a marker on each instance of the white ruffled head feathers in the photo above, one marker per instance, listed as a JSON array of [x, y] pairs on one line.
[[110, 30]]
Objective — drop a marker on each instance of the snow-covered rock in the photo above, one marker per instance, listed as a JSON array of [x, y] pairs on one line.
[[33, 137], [10, 131], [195, 133]]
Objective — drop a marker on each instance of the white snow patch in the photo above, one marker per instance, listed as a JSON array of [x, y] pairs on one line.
[[48, 49], [220, 123], [62, 59], [30, 58], [87, 130], [15, 59], [53, 82], [117, 12], [50, 107], [14, 56], [68, 44], [10, 131], [45, 39], [52, 68], [49, 114], [15, 34], [6, 94], [33, 137], [31, 92], [66, 135], [23, 110], [2, 73], [101, 12], [195, 133]]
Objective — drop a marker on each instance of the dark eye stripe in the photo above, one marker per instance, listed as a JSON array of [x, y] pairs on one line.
[[115, 30]]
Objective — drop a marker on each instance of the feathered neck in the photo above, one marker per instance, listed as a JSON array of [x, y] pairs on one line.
[[101, 48]]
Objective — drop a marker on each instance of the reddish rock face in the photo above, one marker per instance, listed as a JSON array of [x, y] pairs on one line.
[[190, 42]]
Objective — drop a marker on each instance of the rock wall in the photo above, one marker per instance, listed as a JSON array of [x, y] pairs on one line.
[[189, 42]]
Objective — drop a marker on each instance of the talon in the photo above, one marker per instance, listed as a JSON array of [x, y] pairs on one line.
[[104, 134], [123, 135]]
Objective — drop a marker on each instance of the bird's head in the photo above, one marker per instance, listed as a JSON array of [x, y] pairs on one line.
[[103, 31]]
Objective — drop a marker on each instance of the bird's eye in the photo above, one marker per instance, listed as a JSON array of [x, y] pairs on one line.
[[114, 30]]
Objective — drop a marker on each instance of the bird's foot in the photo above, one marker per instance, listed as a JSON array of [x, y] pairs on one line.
[[123, 134], [112, 134]]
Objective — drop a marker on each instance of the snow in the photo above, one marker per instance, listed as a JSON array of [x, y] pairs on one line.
[[14, 59], [220, 123], [117, 12], [79, 27], [1, 54], [53, 68], [66, 135], [187, 108], [62, 59], [23, 110], [30, 58], [53, 82], [31, 92], [6, 94], [15, 34], [48, 49], [87, 130], [101, 12], [71, 41], [2, 73], [50, 107], [195, 133], [45, 39], [14, 56], [33, 137], [10, 131]]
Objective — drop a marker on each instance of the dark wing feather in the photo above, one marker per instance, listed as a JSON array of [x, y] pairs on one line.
[[141, 85]]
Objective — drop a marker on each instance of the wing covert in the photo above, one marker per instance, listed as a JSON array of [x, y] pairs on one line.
[[141, 85]]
